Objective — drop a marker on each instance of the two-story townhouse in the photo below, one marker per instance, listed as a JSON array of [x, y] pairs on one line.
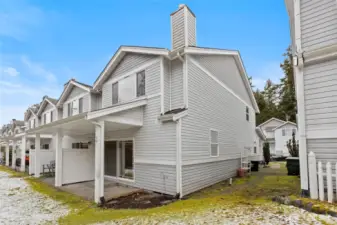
[[313, 28], [170, 121], [68, 131], [277, 133]]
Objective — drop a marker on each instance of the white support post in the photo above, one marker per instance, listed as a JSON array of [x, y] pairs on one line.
[[313, 176], [23, 153], [7, 153], [329, 181], [14, 154], [320, 182], [37, 156], [58, 158], [99, 161]]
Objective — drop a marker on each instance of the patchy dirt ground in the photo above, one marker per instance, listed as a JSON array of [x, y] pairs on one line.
[[19, 204]]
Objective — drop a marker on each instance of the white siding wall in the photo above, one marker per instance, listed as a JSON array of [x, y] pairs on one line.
[[167, 85], [75, 91], [178, 29], [191, 23], [320, 91], [217, 109], [129, 62], [46, 111], [281, 141], [198, 176], [177, 84], [226, 70], [318, 23], [155, 142]]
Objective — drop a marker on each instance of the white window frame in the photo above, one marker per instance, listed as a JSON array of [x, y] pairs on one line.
[[211, 143]]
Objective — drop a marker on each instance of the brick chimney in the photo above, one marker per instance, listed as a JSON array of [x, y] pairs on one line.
[[183, 28]]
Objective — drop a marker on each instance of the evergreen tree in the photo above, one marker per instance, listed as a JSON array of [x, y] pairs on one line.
[[288, 105]]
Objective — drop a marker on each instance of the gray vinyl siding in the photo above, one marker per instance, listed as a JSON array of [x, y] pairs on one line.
[[320, 92], [177, 84], [130, 62], [158, 178], [178, 29], [318, 23], [96, 101], [219, 110], [75, 91], [191, 29], [225, 69], [86, 103], [324, 149], [154, 142], [199, 176], [167, 85]]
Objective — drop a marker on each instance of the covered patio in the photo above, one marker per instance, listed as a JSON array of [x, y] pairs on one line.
[[86, 189]]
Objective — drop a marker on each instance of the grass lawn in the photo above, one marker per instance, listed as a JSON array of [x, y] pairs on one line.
[[256, 189]]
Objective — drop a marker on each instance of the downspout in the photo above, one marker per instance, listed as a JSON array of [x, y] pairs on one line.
[[300, 100], [178, 160]]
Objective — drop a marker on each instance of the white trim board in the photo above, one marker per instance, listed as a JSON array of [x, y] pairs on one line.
[[219, 82]]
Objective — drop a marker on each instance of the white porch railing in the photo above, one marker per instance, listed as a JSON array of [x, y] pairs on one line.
[[318, 188]]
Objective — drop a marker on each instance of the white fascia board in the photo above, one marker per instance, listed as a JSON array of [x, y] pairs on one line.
[[238, 60], [45, 127], [117, 108], [120, 54], [288, 122], [65, 92], [45, 101], [271, 119]]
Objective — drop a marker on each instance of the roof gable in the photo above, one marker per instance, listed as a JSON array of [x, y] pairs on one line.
[[71, 89], [239, 64], [119, 55], [286, 123], [272, 122], [47, 103]]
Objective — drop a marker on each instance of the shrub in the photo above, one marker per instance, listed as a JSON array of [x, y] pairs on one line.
[[292, 146]]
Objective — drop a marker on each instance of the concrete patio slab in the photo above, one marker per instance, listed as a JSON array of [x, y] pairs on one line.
[[87, 189]]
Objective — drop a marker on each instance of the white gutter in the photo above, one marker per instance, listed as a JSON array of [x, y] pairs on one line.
[[298, 70]]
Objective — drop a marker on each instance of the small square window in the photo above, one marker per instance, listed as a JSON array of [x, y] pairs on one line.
[[214, 143]]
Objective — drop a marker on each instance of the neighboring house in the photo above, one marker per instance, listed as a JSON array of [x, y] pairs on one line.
[[314, 45], [171, 121], [277, 133], [257, 151]]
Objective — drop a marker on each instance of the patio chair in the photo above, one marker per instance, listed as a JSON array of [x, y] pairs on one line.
[[50, 167]]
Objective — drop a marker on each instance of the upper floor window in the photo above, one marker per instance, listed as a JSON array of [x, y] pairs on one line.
[[69, 109], [214, 143], [283, 132], [141, 83], [255, 150], [51, 116], [44, 118], [115, 93], [247, 113], [80, 105]]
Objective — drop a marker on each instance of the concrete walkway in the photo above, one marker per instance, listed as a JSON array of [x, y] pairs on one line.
[[87, 189]]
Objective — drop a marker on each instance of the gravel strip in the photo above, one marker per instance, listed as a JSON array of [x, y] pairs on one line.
[[19, 204], [268, 214]]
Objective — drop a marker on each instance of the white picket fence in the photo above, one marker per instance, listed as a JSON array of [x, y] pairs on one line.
[[316, 179]]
